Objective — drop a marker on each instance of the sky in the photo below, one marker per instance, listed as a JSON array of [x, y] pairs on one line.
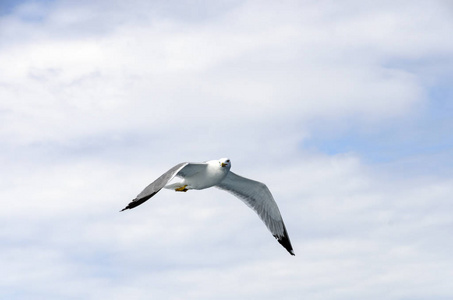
[[344, 109]]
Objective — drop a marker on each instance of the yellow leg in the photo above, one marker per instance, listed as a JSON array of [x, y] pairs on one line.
[[181, 189]]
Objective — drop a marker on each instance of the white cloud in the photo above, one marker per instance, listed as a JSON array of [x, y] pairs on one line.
[[100, 98], [139, 74], [355, 233]]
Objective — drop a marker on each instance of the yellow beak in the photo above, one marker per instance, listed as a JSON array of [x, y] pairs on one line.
[[223, 164]]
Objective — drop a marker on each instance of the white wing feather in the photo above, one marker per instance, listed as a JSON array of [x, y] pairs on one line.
[[258, 197], [180, 170]]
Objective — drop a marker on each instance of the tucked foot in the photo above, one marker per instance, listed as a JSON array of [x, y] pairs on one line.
[[181, 189]]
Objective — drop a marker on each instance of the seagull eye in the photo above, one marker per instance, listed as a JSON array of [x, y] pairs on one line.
[[228, 160]]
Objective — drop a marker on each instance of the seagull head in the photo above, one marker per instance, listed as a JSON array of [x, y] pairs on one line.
[[225, 163]]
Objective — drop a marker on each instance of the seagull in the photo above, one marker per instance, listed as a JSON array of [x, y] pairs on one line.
[[216, 173]]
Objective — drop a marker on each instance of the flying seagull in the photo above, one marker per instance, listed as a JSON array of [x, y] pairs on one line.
[[199, 176]]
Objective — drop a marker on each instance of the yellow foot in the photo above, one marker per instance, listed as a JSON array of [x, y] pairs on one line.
[[182, 189]]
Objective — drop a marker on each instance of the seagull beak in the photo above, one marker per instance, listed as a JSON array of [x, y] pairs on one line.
[[223, 164]]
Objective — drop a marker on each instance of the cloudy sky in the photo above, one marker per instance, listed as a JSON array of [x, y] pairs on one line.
[[343, 108]]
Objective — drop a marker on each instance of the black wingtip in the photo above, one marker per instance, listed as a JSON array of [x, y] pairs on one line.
[[136, 202], [285, 242], [132, 204]]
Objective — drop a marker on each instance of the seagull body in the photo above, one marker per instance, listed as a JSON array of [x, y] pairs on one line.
[[216, 173]]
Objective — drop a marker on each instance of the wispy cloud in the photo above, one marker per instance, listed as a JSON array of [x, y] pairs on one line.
[[341, 109]]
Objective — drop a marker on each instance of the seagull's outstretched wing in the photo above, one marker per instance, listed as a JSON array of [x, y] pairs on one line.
[[258, 197], [182, 170]]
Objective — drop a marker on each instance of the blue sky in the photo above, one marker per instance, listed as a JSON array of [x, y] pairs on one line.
[[343, 110]]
